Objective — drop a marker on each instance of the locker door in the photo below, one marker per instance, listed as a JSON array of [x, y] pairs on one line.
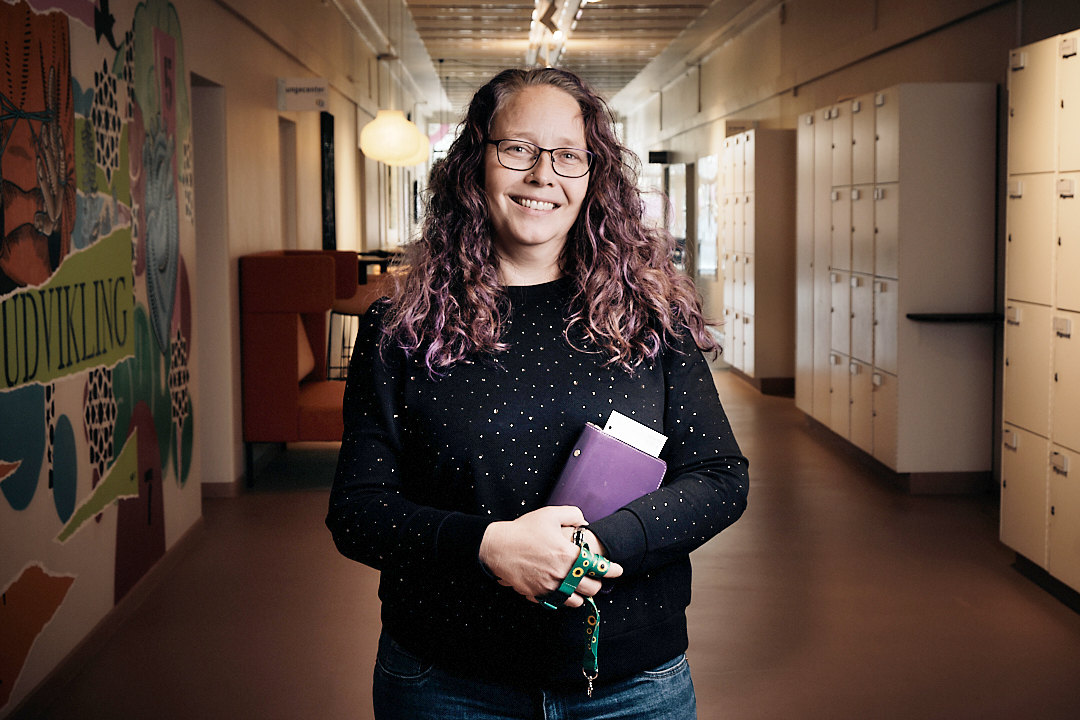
[[1069, 116], [1033, 107], [841, 312], [749, 293], [749, 210], [740, 222], [841, 229], [1066, 381], [887, 136], [729, 223], [886, 320], [862, 140], [728, 163], [739, 276], [886, 416], [1026, 393], [862, 405], [862, 318], [738, 160], [841, 145], [749, 160], [1030, 232], [804, 266], [1025, 458], [840, 416], [748, 345], [822, 260], [1064, 550], [729, 283], [1068, 239], [727, 353], [737, 340], [862, 229], [887, 231]]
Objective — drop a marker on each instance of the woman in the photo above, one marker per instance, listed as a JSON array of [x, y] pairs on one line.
[[537, 300]]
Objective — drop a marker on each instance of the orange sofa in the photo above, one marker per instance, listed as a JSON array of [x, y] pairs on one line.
[[284, 300]]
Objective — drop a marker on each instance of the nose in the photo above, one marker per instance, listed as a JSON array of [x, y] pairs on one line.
[[547, 169]]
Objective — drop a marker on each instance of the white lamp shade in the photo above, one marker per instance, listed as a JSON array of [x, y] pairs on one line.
[[389, 138], [421, 154]]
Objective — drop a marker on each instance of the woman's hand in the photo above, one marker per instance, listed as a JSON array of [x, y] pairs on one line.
[[534, 553]]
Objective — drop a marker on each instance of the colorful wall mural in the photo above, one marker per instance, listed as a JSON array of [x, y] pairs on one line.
[[96, 413]]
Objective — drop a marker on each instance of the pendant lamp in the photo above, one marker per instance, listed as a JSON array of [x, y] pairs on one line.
[[421, 154], [389, 138]]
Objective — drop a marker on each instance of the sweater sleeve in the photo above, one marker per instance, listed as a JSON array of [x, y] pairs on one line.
[[706, 484], [370, 517]]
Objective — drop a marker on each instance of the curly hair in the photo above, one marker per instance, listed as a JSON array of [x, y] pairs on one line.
[[628, 299]]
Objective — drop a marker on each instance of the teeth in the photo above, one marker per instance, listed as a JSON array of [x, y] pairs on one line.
[[534, 205]]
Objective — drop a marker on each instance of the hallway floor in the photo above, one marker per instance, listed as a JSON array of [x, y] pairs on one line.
[[835, 596]]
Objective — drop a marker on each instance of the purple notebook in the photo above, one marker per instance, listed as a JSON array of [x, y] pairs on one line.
[[603, 474]]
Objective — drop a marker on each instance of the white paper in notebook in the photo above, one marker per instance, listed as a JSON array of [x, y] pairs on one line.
[[635, 434]]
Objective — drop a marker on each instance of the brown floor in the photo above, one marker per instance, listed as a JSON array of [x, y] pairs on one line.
[[834, 597]]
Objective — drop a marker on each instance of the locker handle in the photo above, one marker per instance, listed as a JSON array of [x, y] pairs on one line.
[[834, 278], [835, 195], [1017, 61], [879, 286], [856, 106], [879, 99], [879, 193], [853, 368], [809, 119], [1065, 187], [1068, 47], [856, 281], [1010, 439], [1016, 189], [856, 193], [1063, 327], [834, 359], [1012, 315], [1060, 463], [878, 380]]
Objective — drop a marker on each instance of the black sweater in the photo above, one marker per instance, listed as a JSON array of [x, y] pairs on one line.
[[426, 465]]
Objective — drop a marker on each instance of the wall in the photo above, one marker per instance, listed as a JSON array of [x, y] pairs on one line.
[[103, 458], [99, 402]]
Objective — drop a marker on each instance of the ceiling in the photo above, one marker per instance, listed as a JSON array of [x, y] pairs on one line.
[[468, 41]]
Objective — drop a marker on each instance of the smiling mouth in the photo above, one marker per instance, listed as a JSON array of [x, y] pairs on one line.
[[535, 204]]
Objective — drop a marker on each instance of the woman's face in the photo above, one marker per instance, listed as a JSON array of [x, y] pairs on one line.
[[533, 210]]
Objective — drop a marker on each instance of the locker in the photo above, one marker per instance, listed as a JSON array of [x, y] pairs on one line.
[[840, 415], [1032, 87], [729, 283], [748, 345], [748, 206], [841, 145], [862, 318], [737, 340], [740, 222], [1026, 393], [804, 265], [822, 261], [862, 140], [1064, 531], [749, 161], [887, 136], [862, 229], [739, 277], [841, 312], [862, 405], [1025, 459], [728, 163], [749, 294], [1030, 234], [841, 228], [887, 230], [885, 400], [1069, 114], [738, 163], [729, 222], [1068, 238], [886, 319], [1065, 383]]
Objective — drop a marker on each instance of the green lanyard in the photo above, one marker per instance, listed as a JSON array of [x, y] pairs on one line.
[[594, 565]]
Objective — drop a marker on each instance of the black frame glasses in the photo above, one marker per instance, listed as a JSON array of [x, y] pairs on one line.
[[502, 147]]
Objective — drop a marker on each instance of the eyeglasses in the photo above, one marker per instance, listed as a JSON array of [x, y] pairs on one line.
[[521, 155]]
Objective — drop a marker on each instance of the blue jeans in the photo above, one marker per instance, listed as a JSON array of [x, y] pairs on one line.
[[406, 688]]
